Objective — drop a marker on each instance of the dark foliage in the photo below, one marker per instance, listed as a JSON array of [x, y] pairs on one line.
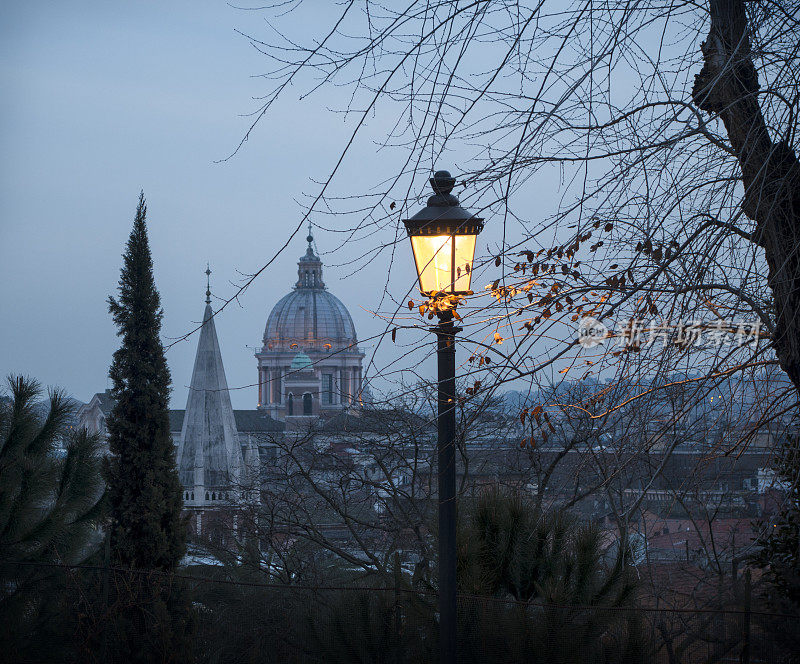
[[535, 587], [508, 548], [143, 620], [51, 503], [562, 601], [147, 530], [363, 626], [133, 617], [779, 548]]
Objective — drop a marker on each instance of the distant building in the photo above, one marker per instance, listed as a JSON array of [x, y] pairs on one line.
[[309, 407], [309, 369], [310, 363]]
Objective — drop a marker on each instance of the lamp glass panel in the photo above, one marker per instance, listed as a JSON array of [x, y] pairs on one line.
[[465, 253], [432, 254]]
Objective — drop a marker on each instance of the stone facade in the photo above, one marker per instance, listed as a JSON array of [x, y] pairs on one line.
[[309, 363]]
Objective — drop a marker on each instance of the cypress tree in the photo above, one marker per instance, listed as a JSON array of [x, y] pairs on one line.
[[147, 530]]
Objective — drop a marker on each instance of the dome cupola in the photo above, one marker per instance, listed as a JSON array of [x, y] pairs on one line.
[[310, 363], [309, 268], [309, 316]]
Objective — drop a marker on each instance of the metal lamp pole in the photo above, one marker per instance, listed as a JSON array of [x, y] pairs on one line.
[[443, 237], [446, 453]]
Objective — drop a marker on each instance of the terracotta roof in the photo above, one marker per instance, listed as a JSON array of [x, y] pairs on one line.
[[725, 536]]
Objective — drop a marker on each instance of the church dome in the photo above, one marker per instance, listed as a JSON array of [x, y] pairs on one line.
[[309, 314]]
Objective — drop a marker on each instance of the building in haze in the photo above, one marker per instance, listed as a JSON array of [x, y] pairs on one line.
[[309, 370], [310, 364]]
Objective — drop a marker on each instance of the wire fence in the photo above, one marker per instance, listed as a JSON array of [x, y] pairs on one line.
[[96, 614]]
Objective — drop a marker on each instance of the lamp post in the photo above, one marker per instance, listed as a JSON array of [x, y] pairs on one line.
[[443, 236]]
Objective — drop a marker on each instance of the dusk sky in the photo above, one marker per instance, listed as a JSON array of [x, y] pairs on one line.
[[104, 99]]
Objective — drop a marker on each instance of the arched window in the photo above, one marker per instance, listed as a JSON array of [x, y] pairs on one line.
[[290, 406], [213, 496], [307, 404], [192, 495], [206, 495]]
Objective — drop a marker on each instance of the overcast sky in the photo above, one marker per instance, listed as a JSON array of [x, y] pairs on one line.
[[103, 99]]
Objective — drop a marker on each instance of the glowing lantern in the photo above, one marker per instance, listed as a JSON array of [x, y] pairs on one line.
[[443, 238]]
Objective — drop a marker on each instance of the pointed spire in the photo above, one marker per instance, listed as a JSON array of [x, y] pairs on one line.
[[209, 454]]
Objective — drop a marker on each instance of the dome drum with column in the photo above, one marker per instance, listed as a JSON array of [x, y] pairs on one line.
[[309, 364]]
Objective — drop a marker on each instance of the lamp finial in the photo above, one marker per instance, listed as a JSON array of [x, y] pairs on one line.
[[442, 182]]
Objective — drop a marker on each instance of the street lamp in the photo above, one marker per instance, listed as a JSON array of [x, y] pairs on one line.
[[443, 240], [443, 236]]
